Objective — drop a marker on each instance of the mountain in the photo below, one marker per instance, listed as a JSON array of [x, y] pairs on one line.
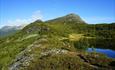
[[8, 30], [70, 18], [58, 44]]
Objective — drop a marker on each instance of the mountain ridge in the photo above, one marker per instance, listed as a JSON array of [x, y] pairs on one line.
[[69, 18]]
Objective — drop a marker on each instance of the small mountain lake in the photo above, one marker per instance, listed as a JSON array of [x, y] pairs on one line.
[[108, 52]]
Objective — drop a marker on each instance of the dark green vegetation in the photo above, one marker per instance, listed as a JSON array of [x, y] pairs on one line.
[[58, 44]]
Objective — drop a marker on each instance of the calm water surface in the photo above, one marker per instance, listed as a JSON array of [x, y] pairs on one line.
[[108, 52]]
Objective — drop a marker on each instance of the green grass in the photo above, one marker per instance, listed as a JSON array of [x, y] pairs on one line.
[[71, 37], [58, 62], [8, 51]]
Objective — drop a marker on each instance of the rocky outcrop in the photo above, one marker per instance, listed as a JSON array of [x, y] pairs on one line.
[[37, 29], [24, 58]]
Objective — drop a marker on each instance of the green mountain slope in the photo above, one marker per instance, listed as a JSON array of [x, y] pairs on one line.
[[58, 44], [70, 18]]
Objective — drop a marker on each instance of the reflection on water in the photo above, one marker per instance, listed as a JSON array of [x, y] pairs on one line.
[[102, 43], [108, 52]]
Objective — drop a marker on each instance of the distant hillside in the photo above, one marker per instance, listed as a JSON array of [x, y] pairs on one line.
[[8, 30]]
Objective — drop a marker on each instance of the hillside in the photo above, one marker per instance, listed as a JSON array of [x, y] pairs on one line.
[[58, 44]]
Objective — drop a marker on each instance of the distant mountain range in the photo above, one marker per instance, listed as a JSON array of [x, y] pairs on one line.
[[8, 30]]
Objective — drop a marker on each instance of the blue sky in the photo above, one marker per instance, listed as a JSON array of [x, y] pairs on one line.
[[18, 12]]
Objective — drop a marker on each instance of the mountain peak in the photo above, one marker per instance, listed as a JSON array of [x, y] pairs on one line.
[[72, 14], [69, 18], [38, 21]]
